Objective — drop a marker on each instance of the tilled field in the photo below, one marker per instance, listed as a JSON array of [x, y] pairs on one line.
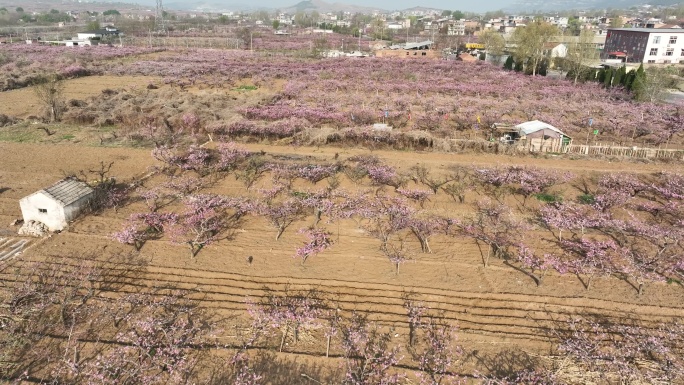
[[498, 309]]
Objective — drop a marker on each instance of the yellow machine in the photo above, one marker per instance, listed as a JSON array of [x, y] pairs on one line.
[[474, 46]]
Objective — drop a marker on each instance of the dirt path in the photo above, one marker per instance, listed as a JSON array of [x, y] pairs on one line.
[[406, 159]]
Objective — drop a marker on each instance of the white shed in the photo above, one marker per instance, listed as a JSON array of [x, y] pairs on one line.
[[542, 136], [58, 204], [539, 129]]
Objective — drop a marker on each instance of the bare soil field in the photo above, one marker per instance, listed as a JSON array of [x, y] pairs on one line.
[[23, 103], [503, 317], [507, 319]]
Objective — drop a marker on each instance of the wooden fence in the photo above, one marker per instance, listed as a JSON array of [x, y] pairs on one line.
[[537, 145]]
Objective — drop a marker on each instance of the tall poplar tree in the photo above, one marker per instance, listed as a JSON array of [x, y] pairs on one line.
[[580, 55], [530, 40]]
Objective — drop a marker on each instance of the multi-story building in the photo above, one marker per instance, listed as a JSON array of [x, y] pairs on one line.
[[645, 45], [285, 19], [456, 28], [562, 22]]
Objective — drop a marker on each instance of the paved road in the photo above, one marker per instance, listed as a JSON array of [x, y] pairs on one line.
[[675, 97]]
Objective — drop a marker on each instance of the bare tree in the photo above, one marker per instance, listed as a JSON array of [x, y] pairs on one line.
[[652, 85], [50, 91], [580, 55]]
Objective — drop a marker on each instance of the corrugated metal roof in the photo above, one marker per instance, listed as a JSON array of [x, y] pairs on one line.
[[536, 125], [417, 45], [68, 191]]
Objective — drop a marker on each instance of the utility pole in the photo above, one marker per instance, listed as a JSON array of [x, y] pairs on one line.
[[432, 27], [359, 38]]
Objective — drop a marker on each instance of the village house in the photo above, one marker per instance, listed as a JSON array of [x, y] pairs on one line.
[[410, 51], [456, 28], [99, 33]]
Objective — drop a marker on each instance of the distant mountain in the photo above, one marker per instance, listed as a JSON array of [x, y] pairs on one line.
[[219, 6], [562, 5], [209, 6], [321, 6], [422, 9]]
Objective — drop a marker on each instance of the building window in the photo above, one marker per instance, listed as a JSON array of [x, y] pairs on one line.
[[656, 39], [669, 52], [42, 211], [667, 61], [651, 61], [654, 52], [682, 54], [673, 40], [424, 54]]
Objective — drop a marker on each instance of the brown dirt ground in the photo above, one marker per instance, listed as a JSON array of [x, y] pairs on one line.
[[22, 102], [499, 310]]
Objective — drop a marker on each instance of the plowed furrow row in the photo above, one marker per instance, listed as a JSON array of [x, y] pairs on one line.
[[515, 316]]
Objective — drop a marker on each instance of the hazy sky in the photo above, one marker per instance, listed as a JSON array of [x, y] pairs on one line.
[[468, 6]]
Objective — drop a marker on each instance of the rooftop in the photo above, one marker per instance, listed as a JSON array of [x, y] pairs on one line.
[[419, 45], [536, 125], [104, 31], [649, 30], [68, 191]]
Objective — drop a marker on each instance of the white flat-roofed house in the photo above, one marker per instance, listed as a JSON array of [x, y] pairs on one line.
[[57, 205]]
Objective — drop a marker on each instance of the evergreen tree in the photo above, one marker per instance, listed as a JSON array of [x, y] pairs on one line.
[[638, 83], [590, 76], [629, 79], [518, 66], [508, 65], [543, 67], [619, 76], [601, 76], [608, 77]]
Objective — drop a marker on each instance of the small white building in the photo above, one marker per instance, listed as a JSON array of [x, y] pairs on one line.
[[535, 136], [559, 50], [58, 204], [543, 137]]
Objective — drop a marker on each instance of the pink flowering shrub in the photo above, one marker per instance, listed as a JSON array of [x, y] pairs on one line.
[[318, 241]]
